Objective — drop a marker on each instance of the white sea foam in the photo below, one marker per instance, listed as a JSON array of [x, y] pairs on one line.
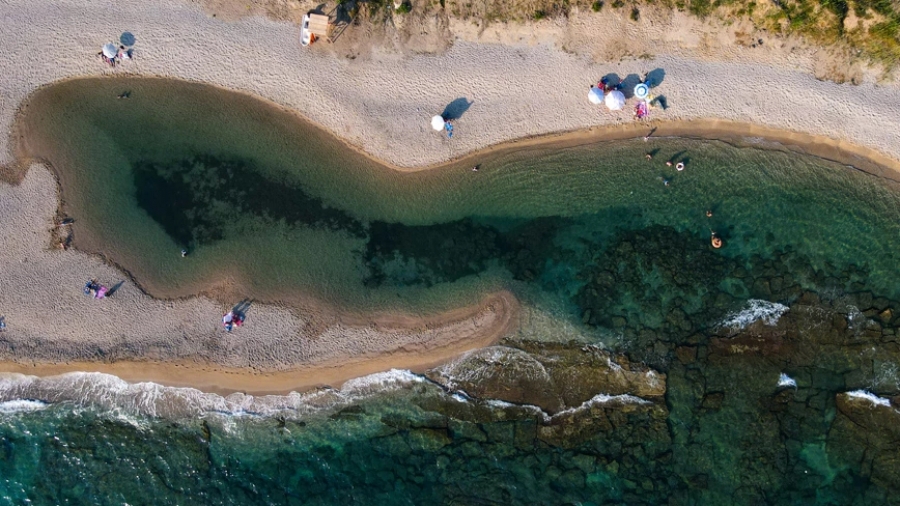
[[756, 310], [129, 402], [21, 406], [870, 397], [125, 400], [388, 380], [603, 399], [785, 381], [597, 400], [491, 362]]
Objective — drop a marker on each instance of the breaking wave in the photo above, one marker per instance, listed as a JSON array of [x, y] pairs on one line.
[[785, 381], [865, 395], [20, 392], [21, 406], [757, 310]]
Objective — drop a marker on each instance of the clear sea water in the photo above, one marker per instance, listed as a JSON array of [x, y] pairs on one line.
[[590, 234]]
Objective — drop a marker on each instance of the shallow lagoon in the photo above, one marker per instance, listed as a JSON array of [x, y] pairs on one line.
[[269, 202], [591, 233]]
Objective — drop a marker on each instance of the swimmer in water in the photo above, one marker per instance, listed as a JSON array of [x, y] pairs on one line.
[[183, 253], [666, 182], [709, 213]]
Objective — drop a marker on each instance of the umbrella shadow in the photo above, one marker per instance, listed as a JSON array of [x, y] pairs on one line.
[[661, 100], [242, 307], [655, 77], [127, 39], [612, 79], [115, 288], [629, 83], [456, 109]]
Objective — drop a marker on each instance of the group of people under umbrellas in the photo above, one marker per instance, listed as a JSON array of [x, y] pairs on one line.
[[612, 96]]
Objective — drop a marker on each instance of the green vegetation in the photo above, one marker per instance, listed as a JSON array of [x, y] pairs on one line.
[[864, 28], [404, 8]]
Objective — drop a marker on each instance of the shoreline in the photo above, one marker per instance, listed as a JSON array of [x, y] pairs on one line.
[[223, 379], [214, 378], [530, 95], [737, 133]]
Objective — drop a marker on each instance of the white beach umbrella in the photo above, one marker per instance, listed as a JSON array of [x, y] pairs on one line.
[[595, 96], [110, 50], [641, 91], [615, 100], [437, 123]]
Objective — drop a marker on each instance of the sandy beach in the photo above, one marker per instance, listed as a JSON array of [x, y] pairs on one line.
[[518, 89]]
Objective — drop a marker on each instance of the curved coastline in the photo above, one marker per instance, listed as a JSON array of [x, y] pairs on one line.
[[738, 133], [225, 378]]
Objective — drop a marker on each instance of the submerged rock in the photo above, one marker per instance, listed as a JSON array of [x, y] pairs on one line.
[[553, 377]]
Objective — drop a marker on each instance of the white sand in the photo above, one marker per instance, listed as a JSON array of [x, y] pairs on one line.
[[381, 103]]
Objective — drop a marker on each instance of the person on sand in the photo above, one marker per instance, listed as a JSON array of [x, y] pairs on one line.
[[475, 168], [709, 213], [668, 163], [184, 253], [648, 156], [228, 321]]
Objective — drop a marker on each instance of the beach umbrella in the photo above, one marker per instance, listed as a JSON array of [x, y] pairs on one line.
[[595, 96], [110, 50], [615, 100], [437, 123], [641, 91], [127, 39]]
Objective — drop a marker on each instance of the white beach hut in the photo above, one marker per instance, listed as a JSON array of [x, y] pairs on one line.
[[615, 100]]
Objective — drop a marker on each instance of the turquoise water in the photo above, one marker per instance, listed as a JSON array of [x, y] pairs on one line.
[[805, 286]]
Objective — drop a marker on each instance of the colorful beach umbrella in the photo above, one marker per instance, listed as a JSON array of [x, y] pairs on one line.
[[615, 100], [595, 96], [110, 50], [641, 91], [437, 123]]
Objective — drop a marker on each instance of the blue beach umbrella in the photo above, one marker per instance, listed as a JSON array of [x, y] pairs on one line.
[[641, 91]]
